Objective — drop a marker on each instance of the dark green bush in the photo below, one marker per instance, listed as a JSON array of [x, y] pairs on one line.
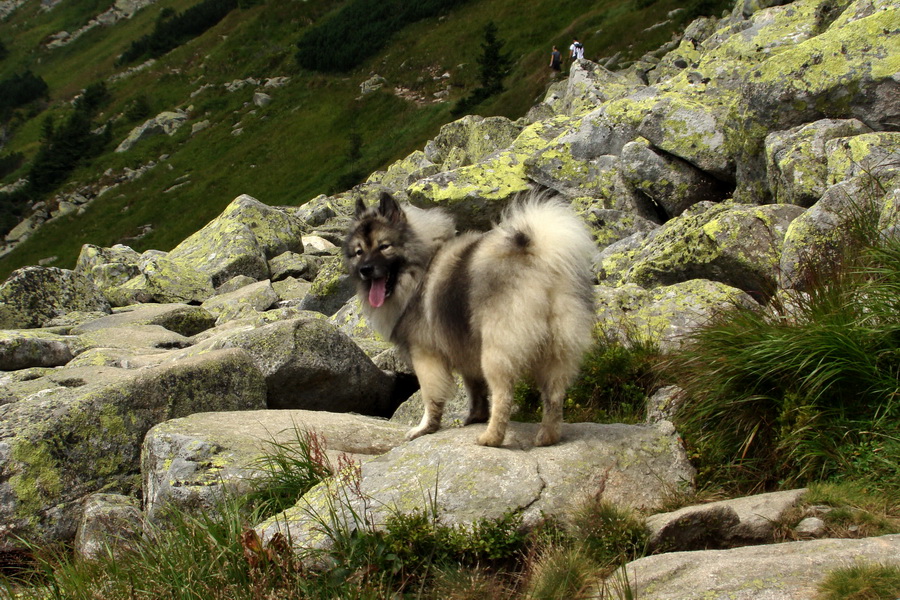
[[20, 90], [174, 29], [359, 30]]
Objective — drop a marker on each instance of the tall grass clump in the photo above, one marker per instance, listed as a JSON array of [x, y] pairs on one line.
[[807, 387], [862, 581]]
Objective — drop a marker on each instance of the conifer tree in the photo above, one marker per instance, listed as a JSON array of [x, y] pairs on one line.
[[493, 62]]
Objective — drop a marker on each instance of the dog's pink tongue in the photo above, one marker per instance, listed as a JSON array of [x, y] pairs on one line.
[[377, 292]]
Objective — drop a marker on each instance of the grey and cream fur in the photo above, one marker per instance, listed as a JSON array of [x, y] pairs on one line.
[[492, 306]]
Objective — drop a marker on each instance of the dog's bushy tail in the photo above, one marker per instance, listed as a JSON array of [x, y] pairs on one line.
[[549, 232]]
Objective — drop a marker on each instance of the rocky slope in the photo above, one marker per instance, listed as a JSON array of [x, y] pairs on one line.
[[710, 176]]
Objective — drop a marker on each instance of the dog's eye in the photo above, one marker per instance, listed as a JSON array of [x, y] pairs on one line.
[[384, 247], [359, 252]]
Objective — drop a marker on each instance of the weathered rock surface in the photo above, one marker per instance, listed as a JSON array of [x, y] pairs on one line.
[[33, 295], [62, 443], [724, 524], [111, 524], [629, 465], [188, 463], [788, 571]]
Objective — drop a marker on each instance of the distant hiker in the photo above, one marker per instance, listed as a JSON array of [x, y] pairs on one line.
[[576, 50], [555, 60]]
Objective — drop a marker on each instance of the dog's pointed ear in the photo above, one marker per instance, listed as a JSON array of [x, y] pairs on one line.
[[389, 208], [360, 207]]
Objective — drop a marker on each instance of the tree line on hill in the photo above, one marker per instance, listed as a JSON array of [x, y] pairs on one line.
[[64, 146], [359, 30]]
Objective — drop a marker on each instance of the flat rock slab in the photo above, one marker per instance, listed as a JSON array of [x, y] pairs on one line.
[[448, 473], [789, 571], [188, 463], [736, 522]]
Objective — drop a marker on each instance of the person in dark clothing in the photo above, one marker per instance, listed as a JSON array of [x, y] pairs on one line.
[[555, 60]]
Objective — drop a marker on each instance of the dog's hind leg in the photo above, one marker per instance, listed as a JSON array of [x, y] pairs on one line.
[[553, 394], [477, 389], [553, 376], [500, 380], [437, 386]]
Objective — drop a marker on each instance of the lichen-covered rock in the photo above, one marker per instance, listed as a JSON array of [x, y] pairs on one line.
[[405, 171], [20, 349], [246, 301], [163, 280], [590, 85], [469, 140], [815, 241], [189, 463], [665, 315], [875, 154], [112, 524], [84, 436], [609, 226], [167, 123], [292, 264], [738, 245], [672, 183], [796, 160], [308, 364], [849, 70], [476, 194], [291, 290], [240, 241], [32, 296], [183, 319], [633, 465], [108, 268], [330, 290]]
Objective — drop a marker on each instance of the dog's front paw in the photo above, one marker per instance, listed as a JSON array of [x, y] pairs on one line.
[[490, 438], [418, 432]]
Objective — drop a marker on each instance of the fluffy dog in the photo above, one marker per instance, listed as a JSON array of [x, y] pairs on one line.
[[492, 306]]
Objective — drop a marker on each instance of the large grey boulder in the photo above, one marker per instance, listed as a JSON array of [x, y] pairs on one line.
[[463, 482], [164, 280], [111, 525], [665, 315], [109, 268], [816, 240], [183, 319], [20, 349], [739, 245], [167, 123], [724, 524], [672, 183], [240, 241], [787, 571], [32, 296], [852, 65], [84, 436], [245, 301], [470, 140], [308, 364], [796, 160], [190, 463]]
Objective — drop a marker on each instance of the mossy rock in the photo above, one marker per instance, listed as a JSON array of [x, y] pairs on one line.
[[85, 436]]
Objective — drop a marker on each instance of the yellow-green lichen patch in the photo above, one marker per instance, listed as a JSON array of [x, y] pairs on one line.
[[867, 153], [36, 482]]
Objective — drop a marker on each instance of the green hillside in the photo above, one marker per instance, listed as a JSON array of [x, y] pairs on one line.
[[318, 134]]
